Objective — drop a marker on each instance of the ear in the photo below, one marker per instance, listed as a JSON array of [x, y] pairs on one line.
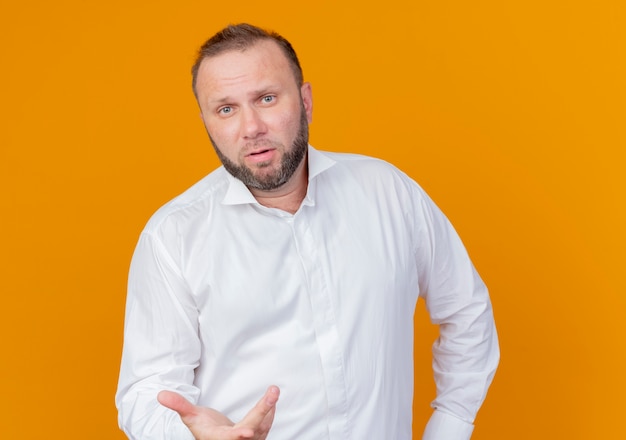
[[307, 100]]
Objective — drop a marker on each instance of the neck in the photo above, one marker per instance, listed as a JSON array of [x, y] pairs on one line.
[[289, 196]]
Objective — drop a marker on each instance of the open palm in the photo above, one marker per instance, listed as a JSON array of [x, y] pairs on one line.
[[209, 424]]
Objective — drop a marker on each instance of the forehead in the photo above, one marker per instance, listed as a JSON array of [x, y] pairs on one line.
[[262, 62]]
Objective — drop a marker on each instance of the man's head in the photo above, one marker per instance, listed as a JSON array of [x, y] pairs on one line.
[[240, 37], [254, 105]]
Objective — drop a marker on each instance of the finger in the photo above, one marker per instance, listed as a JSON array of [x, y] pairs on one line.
[[176, 402], [268, 420], [263, 410]]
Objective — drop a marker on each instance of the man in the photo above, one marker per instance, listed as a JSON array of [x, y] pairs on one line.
[[295, 272]]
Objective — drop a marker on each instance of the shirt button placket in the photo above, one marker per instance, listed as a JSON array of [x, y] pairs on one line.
[[325, 323]]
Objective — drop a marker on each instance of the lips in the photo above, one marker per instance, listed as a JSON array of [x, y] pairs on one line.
[[261, 155], [260, 151]]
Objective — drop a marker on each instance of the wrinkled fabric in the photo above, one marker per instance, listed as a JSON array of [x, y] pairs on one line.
[[226, 297]]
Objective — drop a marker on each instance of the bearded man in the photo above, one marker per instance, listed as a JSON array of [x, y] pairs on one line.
[[294, 272]]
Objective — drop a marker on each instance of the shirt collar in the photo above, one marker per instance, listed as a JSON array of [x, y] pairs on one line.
[[238, 194], [318, 163]]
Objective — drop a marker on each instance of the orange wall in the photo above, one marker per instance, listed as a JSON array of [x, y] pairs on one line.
[[510, 114]]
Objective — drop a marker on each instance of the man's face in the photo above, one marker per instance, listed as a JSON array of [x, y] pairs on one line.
[[256, 115]]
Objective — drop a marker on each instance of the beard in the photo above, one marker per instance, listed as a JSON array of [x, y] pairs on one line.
[[273, 179]]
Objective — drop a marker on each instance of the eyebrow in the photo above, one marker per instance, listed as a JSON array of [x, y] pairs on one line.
[[258, 92], [219, 101]]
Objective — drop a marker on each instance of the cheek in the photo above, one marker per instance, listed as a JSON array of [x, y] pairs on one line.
[[289, 123], [225, 141], [222, 132]]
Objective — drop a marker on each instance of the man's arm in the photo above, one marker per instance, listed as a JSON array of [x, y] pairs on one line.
[[466, 354], [161, 352], [161, 344]]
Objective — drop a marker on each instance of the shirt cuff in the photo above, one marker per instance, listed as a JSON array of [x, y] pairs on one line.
[[445, 426]]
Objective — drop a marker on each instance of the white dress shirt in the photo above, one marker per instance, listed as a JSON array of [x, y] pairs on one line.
[[227, 297]]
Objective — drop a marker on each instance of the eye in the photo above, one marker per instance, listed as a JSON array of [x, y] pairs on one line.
[[268, 98], [225, 110]]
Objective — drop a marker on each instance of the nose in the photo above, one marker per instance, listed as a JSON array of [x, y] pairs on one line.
[[252, 124]]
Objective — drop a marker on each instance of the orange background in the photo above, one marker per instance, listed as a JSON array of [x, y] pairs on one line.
[[510, 114]]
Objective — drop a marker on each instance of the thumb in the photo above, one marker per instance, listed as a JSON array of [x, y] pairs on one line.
[[176, 402], [262, 414]]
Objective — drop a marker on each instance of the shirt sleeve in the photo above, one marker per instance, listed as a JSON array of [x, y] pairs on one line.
[[466, 353], [161, 346]]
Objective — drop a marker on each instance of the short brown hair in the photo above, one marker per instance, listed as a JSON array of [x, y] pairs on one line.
[[240, 37]]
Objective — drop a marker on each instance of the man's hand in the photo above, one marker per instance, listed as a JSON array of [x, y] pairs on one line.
[[209, 424]]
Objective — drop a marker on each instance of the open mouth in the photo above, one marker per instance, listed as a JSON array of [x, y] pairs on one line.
[[256, 153], [262, 155]]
